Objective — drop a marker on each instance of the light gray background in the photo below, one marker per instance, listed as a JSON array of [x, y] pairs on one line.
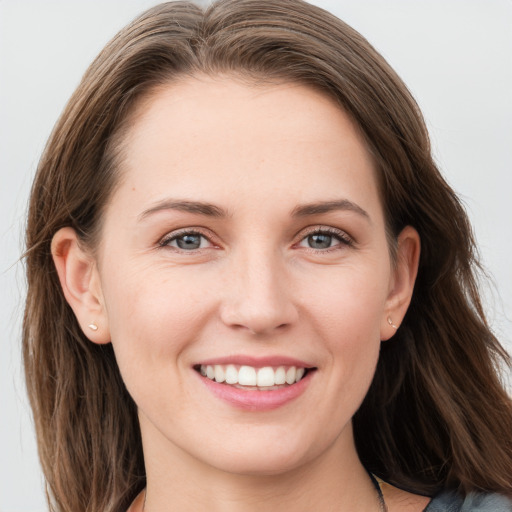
[[455, 55]]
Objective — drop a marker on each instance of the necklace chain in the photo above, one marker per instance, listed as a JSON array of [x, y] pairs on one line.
[[382, 503]]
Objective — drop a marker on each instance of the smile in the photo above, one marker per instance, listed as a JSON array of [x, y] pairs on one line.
[[253, 378], [256, 384]]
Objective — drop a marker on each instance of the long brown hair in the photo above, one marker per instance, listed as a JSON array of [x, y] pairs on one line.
[[436, 415]]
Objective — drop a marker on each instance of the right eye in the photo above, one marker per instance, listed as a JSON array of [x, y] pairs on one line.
[[186, 241]]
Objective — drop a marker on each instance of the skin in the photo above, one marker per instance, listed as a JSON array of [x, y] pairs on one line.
[[255, 286]]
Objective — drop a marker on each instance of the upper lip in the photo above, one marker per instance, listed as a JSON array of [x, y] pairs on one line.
[[257, 362]]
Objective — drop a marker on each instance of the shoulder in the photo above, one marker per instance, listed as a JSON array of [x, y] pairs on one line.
[[450, 501]]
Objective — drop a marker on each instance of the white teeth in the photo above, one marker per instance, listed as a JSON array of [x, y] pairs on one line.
[[247, 376], [265, 377], [280, 376], [220, 375], [291, 373], [231, 374]]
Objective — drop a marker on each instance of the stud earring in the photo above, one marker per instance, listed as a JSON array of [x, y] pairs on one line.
[[93, 326], [390, 322]]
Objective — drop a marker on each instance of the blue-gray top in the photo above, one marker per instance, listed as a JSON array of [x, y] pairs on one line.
[[473, 502]]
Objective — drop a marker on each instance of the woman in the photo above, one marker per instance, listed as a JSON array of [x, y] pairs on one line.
[[250, 287]]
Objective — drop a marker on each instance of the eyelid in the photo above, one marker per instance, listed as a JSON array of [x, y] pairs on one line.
[[340, 234], [193, 230], [344, 238]]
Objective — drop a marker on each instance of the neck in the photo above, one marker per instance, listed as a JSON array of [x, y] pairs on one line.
[[175, 480]]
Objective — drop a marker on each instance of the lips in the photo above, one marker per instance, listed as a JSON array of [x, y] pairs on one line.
[[253, 383]]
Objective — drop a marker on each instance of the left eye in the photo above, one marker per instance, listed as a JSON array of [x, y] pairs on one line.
[[321, 240], [187, 241]]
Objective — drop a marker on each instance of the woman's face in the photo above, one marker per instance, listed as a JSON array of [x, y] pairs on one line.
[[246, 239]]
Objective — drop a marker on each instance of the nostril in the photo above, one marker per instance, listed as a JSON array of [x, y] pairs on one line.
[[259, 310]]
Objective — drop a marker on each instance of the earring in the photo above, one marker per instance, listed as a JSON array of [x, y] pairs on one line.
[[93, 326], [390, 322]]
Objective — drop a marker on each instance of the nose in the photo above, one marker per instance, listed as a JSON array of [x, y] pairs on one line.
[[258, 296]]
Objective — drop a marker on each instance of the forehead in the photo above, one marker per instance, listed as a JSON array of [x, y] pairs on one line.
[[219, 135]]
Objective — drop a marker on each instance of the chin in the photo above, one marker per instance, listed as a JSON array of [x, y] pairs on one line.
[[261, 465], [278, 454]]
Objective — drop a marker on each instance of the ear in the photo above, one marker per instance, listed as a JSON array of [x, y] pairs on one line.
[[80, 281], [402, 281]]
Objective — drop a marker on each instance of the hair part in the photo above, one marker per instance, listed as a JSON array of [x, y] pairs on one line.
[[436, 414]]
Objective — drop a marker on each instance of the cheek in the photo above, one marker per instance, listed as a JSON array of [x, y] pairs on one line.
[[152, 320], [349, 302], [347, 315]]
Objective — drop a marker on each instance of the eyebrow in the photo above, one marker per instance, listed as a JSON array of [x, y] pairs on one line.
[[329, 206], [198, 207], [211, 210]]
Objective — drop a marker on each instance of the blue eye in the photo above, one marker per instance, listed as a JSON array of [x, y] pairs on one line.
[[188, 241], [325, 239], [319, 241]]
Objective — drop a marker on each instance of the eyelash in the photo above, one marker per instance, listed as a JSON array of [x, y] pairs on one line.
[[166, 240], [339, 235], [342, 237]]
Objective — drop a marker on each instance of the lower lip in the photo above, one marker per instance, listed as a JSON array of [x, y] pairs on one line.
[[253, 400]]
